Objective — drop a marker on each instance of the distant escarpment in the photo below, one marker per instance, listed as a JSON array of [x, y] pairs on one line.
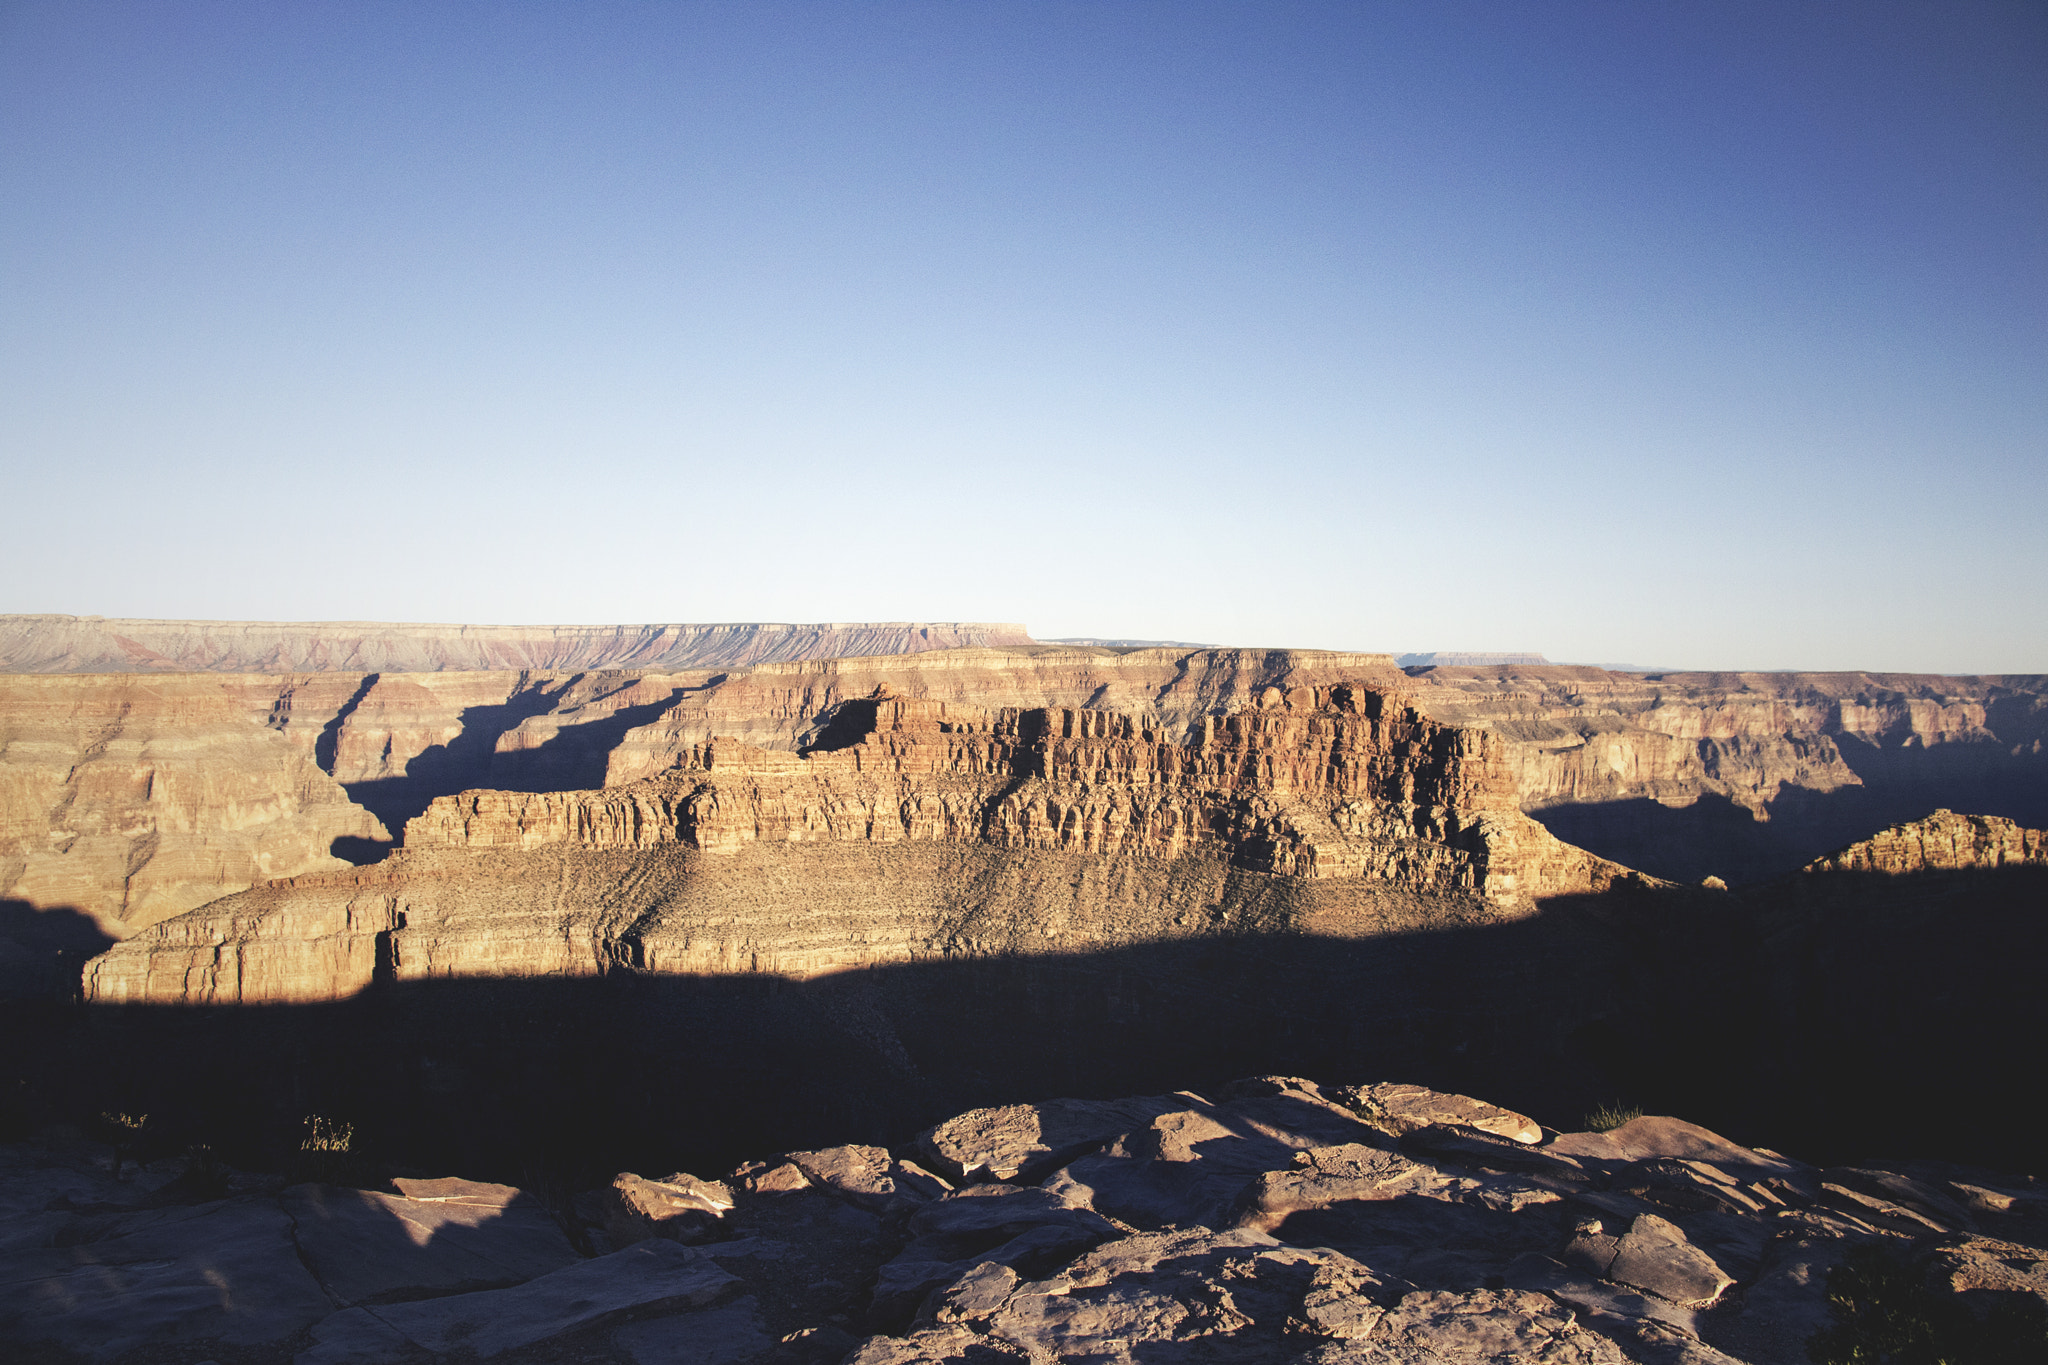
[[98, 644], [1325, 784], [1746, 776]]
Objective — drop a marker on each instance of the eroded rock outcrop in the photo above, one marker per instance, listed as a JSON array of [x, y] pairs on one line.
[[1268, 1222], [1943, 842]]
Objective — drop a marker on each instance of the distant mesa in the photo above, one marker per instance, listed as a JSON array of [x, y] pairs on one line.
[[1443, 658], [1100, 643], [101, 644]]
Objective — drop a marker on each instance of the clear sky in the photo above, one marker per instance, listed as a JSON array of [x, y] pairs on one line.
[[1703, 334]]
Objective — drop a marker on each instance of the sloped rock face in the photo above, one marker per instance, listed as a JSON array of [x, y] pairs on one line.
[[1270, 1222], [129, 800]]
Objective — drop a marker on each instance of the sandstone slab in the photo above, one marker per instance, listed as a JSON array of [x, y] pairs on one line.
[[224, 1272], [652, 1274], [367, 1247]]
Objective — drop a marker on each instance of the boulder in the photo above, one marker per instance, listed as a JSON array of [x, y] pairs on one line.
[[868, 1177], [1653, 1256], [1403, 1108], [678, 1208], [1028, 1140], [1655, 1135]]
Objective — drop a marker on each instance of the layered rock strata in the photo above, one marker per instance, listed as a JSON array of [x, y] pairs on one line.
[[1340, 781], [129, 800], [1749, 775], [1665, 773], [1338, 784]]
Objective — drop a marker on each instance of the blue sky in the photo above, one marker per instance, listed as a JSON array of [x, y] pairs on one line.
[[1707, 335]]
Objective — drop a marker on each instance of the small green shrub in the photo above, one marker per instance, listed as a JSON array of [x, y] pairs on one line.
[[1612, 1115], [1885, 1312]]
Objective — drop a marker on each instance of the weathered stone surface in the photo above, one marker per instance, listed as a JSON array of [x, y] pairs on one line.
[[868, 1177], [222, 1272], [487, 1324], [1029, 1139], [1653, 1136], [711, 1336], [366, 1247], [1405, 1108], [1324, 1176], [1198, 1294], [677, 1208], [1192, 1165], [1482, 1326], [1991, 1263], [1349, 1251], [1027, 1229], [1654, 1256]]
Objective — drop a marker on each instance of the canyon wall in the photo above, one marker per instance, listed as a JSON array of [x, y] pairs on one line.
[[134, 799], [98, 644], [1739, 776], [1315, 784], [1750, 775], [395, 741]]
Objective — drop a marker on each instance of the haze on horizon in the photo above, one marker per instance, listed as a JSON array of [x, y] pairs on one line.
[[1710, 336]]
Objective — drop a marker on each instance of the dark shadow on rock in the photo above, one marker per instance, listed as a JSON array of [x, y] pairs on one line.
[[461, 764], [354, 848], [1431, 1243], [843, 726], [576, 756], [328, 743], [1831, 1021], [42, 950]]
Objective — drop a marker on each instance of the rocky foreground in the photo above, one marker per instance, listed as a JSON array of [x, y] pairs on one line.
[[1272, 1221]]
